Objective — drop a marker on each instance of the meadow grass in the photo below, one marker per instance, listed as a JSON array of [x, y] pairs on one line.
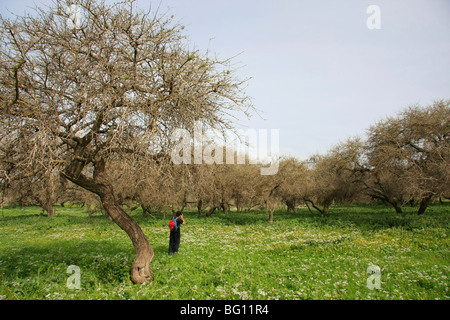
[[231, 256]]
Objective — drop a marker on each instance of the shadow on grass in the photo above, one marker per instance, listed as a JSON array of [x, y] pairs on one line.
[[100, 262], [68, 217], [363, 217]]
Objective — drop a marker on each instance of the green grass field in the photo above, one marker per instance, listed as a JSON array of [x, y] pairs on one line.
[[231, 256]]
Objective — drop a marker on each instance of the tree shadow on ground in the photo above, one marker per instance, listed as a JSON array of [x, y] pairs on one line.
[[363, 217], [101, 260]]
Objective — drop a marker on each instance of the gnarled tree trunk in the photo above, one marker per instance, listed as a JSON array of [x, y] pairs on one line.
[[211, 210], [270, 208], [424, 204], [397, 207], [200, 206], [140, 269]]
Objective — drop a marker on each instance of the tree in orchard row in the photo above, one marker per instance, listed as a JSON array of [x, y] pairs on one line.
[[408, 156], [112, 85]]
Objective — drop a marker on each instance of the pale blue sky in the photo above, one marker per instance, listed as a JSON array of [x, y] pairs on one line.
[[319, 75]]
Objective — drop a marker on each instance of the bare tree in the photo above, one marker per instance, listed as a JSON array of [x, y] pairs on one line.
[[110, 86], [292, 179], [331, 176], [409, 155]]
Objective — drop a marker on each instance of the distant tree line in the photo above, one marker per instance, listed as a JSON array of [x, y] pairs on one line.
[[403, 161]]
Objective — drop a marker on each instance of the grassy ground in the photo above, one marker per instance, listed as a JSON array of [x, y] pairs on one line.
[[231, 256]]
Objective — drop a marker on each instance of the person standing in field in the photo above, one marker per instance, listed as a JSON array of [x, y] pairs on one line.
[[175, 234]]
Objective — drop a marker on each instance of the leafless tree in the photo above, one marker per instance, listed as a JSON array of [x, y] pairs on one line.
[[331, 177], [112, 87], [292, 180], [409, 154]]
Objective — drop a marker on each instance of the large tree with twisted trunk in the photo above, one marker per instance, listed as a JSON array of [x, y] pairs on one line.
[[82, 86]]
